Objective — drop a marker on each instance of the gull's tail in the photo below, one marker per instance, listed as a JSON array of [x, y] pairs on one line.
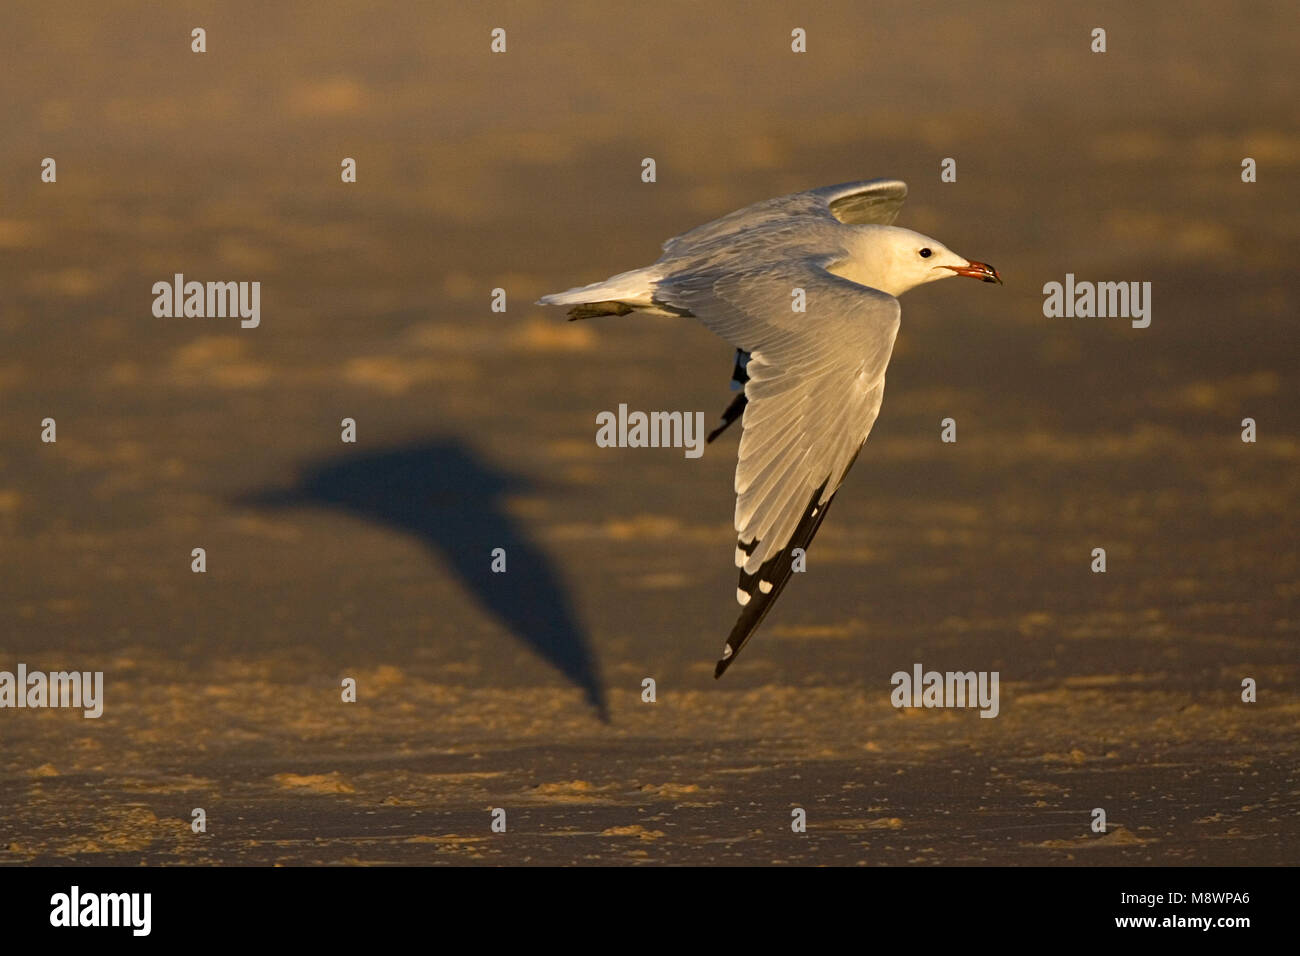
[[617, 295]]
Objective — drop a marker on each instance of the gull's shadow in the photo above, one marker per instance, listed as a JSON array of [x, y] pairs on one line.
[[452, 501]]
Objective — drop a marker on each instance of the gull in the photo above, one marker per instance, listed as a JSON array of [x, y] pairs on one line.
[[806, 288]]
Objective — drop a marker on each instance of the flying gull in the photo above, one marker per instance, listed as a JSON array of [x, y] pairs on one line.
[[811, 381]]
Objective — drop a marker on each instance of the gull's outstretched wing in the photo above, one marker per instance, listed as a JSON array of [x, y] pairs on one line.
[[816, 379], [869, 202]]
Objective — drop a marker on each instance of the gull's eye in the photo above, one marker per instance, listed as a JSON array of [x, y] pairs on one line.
[[925, 253]]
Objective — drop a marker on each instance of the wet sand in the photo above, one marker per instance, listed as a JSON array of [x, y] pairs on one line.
[[476, 430]]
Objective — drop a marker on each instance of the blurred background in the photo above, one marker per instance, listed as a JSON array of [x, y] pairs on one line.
[[476, 430]]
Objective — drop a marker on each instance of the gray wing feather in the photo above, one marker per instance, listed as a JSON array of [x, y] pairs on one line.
[[816, 380], [871, 201]]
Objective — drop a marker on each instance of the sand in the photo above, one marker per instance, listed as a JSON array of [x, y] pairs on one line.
[[476, 430]]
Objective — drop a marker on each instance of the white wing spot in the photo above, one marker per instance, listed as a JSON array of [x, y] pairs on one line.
[[765, 587], [726, 652], [742, 597]]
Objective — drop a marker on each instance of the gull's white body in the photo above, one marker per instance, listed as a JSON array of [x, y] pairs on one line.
[[814, 379]]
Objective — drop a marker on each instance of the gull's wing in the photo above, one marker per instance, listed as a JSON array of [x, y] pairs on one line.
[[816, 380], [869, 202]]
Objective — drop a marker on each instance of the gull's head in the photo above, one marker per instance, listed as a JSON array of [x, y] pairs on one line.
[[894, 260]]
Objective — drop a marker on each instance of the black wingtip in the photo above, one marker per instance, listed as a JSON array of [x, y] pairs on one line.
[[775, 572], [732, 412]]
